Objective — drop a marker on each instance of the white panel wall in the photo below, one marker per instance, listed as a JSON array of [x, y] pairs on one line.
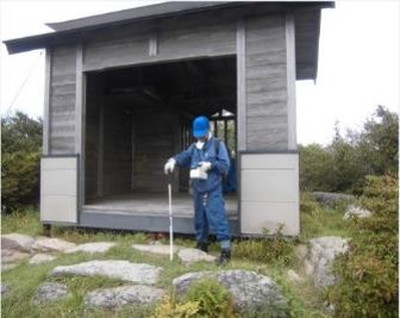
[[59, 189], [269, 193]]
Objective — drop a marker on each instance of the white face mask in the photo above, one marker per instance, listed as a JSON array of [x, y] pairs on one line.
[[200, 144]]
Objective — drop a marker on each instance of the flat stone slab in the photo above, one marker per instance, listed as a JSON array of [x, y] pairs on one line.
[[45, 244], [124, 295], [192, 255], [97, 247], [50, 292], [115, 269], [249, 290], [17, 241], [10, 255], [156, 249], [41, 258]]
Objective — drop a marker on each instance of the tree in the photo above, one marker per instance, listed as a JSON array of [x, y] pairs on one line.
[[379, 142], [316, 168], [21, 148], [343, 165]]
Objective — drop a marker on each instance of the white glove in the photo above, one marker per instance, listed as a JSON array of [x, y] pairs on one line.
[[169, 166], [204, 166]]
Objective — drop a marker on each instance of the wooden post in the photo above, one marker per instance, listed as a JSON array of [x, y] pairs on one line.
[[291, 80], [241, 85], [47, 94]]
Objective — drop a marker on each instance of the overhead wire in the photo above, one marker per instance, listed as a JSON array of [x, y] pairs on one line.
[[33, 66]]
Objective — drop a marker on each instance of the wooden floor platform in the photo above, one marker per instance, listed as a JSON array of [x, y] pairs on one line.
[[152, 204]]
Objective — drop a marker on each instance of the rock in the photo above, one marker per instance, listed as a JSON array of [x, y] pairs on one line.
[[331, 198], [156, 249], [17, 241], [356, 211], [97, 247], [4, 288], [294, 277], [249, 290], [119, 296], [323, 251], [45, 244], [50, 292], [116, 269], [192, 255], [41, 258], [301, 251], [10, 256]]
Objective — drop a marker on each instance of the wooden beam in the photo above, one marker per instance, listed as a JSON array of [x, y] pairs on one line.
[[291, 80], [100, 156], [79, 123], [241, 85], [47, 94]]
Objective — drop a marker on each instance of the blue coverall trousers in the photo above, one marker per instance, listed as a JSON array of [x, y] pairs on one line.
[[210, 215]]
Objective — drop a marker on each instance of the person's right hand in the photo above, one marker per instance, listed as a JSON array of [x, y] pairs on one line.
[[169, 166]]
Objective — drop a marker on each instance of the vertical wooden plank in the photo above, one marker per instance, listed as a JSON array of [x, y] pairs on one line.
[[79, 115], [133, 142], [291, 80], [241, 84], [100, 156], [47, 94], [78, 99]]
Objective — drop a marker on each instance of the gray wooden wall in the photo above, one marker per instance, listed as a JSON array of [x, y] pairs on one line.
[[126, 148], [94, 109], [168, 39], [117, 153], [154, 142], [62, 100], [266, 83]]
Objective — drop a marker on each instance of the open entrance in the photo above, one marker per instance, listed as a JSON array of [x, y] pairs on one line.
[[138, 117]]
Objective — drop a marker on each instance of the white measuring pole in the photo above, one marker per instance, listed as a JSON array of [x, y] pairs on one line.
[[171, 232]]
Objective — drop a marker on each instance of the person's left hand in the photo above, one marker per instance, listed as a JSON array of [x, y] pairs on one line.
[[204, 166]]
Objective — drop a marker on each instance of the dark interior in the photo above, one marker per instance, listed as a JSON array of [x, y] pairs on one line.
[[136, 118]]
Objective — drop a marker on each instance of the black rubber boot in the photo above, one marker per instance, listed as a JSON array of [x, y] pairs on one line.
[[224, 258], [202, 246]]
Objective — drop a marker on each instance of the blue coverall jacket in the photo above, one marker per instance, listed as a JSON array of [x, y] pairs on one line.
[[209, 205]]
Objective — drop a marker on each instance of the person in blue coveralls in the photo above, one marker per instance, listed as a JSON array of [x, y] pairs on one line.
[[209, 162]]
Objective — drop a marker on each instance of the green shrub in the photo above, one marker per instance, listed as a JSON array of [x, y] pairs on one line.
[[367, 277], [308, 203], [316, 168], [169, 308], [21, 139], [20, 179], [270, 248], [213, 299]]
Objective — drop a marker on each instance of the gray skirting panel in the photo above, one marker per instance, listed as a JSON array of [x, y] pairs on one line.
[[143, 223]]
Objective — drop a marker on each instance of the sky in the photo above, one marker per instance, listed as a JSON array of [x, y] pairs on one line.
[[358, 67]]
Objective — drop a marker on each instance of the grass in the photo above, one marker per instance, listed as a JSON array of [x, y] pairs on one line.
[[255, 255]]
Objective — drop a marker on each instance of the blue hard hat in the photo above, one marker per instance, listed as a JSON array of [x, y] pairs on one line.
[[201, 126]]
